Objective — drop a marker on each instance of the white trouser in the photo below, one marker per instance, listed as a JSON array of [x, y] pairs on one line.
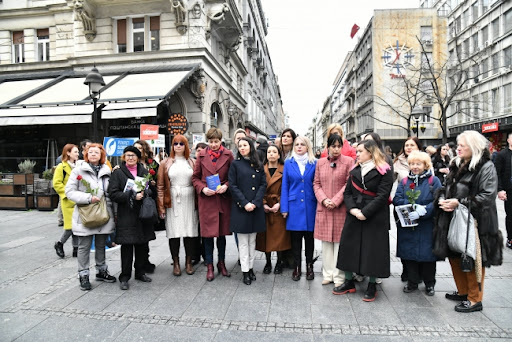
[[329, 260], [247, 250]]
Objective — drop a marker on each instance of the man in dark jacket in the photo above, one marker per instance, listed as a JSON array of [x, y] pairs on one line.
[[503, 165], [261, 147]]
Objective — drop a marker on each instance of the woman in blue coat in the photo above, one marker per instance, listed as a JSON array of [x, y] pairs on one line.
[[414, 245], [298, 203]]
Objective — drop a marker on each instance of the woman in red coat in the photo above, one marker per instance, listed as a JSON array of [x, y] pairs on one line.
[[346, 150], [214, 205], [331, 176]]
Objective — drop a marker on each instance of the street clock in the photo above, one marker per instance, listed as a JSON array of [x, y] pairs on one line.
[[398, 59]]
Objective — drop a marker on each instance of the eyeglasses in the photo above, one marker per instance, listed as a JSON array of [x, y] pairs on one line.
[[130, 155], [179, 143]]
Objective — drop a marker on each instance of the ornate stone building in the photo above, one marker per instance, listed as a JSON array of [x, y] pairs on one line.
[[204, 59]]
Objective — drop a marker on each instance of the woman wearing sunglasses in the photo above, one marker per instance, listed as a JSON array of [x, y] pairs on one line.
[[176, 202]]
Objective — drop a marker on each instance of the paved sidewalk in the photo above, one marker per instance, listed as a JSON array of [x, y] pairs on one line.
[[40, 299]]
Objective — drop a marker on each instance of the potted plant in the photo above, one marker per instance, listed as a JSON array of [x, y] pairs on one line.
[[46, 197], [26, 173]]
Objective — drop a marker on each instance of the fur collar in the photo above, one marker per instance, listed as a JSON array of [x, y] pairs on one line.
[[456, 174]]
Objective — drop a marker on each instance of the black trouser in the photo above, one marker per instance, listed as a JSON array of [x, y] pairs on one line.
[[417, 270], [309, 242], [141, 258], [189, 242], [508, 217]]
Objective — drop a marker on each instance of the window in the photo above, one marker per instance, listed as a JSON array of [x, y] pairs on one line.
[[496, 28], [485, 6], [475, 11], [507, 89], [485, 103], [465, 19], [426, 33], [465, 48], [496, 101], [507, 56], [457, 25], [507, 21], [138, 34], [475, 107], [485, 34], [495, 63], [474, 38], [426, 60], [485, 68], [474, 71], [43, 45], [18, 47]]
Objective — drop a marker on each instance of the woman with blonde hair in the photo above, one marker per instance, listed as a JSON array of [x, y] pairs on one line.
[[176, 202], [364, 243], [60, 179], [347, 149], [472, 182], [298, 203]]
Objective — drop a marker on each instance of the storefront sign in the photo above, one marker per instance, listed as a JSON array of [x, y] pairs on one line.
[[160, 142], [490, 127], [177, 124], [115, 146], [148, 132], [272, 136]]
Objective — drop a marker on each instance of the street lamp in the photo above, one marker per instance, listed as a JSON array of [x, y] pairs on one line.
[[95, 82], [417, 112]]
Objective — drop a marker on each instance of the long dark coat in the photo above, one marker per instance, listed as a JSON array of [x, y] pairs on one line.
[[478, 189], [129, 229], [247, 185], [364, 245], [212, 223], [416, 244], [276, 238]]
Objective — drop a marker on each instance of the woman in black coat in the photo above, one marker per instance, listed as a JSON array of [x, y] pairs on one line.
[[131, 233], [364, 244], [247, 183], [440, 162]]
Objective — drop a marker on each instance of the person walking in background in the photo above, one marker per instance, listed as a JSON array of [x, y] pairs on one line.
[[473, 182], [214, 205], [60, 178], [347, 150], [276, 237], [177, 203], [414, 244], [331, 178], [503, 165], [440, 162], [364, 243], [298, 203], [89, 181], [247, 185]]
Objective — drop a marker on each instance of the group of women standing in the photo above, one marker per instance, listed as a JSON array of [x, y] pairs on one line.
[[273, 205]]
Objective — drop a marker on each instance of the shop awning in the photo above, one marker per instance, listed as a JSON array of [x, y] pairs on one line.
[[135, 109], [51, 115]]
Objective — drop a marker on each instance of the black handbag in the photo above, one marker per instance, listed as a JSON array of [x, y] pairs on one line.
[[148, 212], [466, 262]]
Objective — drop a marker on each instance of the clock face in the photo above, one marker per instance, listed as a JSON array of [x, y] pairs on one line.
[[398, 58]]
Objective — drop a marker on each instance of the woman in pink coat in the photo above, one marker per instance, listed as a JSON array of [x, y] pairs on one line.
[[331, 177], [346, 149]]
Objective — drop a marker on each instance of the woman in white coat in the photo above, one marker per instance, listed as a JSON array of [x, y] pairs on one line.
[[96, 174]]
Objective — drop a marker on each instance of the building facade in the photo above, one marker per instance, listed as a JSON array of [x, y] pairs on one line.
[[205, 61]]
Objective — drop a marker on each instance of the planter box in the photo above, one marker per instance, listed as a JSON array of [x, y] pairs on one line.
[[10, 190], [17, 202], [23, 179], [47, 202]]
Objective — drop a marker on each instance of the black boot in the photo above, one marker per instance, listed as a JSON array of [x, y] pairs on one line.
[[59, 249], [247, 278], [371, 293], [252, 275], [310, 275], [296, 273], [347, 287], [268, 266]]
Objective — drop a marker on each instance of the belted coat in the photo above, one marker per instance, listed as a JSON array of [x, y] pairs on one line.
[[212, 224]]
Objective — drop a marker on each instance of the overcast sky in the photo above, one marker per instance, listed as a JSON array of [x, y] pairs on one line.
[[308, 41]]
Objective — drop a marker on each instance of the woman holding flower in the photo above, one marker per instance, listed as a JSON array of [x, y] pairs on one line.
[[132, 233], [414, 245], [87, 183]]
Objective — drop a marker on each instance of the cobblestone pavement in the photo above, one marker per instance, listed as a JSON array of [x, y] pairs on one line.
[[40, 299]]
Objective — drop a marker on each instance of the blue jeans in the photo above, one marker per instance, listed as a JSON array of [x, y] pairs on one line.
[[208, 248]]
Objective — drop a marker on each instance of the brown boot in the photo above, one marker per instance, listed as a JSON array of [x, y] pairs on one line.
[[188, 265], [221, 266], [310, 275], [176, 270], [209, 273], [297, 272]]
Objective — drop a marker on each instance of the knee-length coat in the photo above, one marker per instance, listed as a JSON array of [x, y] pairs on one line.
[[276, 238], [60, 179], [211, 223], [364, 245], [297, 196], [416, 244], [330, 182], [247, 184]]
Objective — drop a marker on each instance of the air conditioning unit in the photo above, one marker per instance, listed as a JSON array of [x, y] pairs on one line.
[[486, 44], [428, 42], [368, 46], [359, 61]]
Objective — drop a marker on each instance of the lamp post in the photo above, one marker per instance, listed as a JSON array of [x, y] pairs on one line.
[[95, 82], [416, 113]]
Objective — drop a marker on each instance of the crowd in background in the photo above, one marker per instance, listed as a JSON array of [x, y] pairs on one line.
[[278, 196]]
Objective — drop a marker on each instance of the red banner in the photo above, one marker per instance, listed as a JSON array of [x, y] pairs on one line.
[[148, 132], [354, 30], [490, 127]]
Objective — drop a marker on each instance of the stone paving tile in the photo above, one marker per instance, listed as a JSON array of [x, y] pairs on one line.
[[248, 311], [149, 332], [332, 314], [14, 325]]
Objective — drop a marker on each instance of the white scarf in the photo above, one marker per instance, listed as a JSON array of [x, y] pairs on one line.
[[366, 167], [302, 161]]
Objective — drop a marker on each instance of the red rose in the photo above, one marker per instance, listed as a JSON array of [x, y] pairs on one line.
[[79, 177], [150, 161], [152, 172], [412, 186]]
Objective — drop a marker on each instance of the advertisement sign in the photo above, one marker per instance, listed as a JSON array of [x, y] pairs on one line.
[[197, 138], [148, 132], [177, 124], [490, 127], [115, 146], [160, 142]]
